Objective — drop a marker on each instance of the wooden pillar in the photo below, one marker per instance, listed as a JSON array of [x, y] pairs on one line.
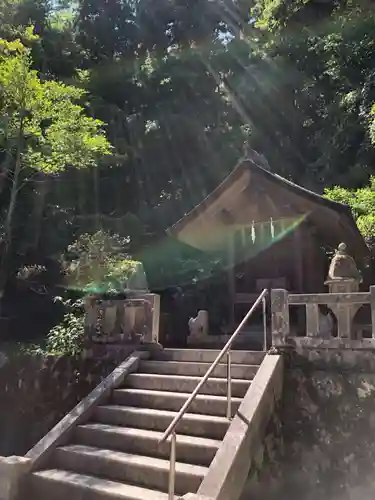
[[310, 263], [298, 258], [314, 263]]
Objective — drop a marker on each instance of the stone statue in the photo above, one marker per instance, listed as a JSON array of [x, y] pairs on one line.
[[344, 277], [343, 266], [199, 326]]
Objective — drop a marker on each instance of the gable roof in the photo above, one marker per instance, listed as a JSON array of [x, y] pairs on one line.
[[257, 187]]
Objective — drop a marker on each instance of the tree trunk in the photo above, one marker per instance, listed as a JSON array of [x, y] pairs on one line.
[[42, 187], [8, 227]]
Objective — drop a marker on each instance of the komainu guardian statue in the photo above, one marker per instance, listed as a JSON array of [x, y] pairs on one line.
[[344, 277], [343, 266]]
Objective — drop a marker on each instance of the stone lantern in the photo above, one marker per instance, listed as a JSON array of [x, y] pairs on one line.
[[343, 277]]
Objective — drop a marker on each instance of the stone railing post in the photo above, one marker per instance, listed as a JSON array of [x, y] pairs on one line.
[[280, 317], [12, 470], [155, 318], [312, 320], [152, 316]]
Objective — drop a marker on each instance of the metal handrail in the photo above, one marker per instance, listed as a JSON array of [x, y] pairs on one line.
[[171, 430]]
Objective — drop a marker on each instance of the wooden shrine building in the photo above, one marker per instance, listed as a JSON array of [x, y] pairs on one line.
[[273, 232]]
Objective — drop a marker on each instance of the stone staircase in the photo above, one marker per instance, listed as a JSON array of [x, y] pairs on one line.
[[116, 454]]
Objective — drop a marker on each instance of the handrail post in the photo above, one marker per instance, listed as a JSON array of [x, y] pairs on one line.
[[264, 308], [172, 467], [172, 426], [229, 386]]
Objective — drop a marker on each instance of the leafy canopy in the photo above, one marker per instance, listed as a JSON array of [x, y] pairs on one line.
[[98, 262], [56, 130], [362, 203]]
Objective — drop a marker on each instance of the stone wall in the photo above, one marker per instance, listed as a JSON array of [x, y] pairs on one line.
[[36, 392], [322, 441]]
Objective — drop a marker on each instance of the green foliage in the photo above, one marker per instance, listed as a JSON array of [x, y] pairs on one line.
[[178, 87], [280, 14], [57, 132], [366, 224], [326, 77], [15, 15], [99, 263], [67, 338], [43, 130], [372, 125], [362, 203]]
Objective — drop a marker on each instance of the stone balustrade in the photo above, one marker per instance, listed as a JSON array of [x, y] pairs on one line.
[[123, 320], [342, 305]]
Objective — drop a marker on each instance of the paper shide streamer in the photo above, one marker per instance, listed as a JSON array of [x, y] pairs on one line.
[[253, 236]]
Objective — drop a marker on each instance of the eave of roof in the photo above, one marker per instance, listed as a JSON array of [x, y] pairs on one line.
[[248, 164]]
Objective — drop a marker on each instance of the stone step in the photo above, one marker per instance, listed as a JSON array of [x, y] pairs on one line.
[[55, 484], [175, 383], [139, 470], [197, 369], [209, 426], [208, 356], [159, 400], [190, 449]]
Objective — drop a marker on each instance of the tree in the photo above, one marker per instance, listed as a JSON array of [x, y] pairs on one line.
[[99, 263], [170, 124], [181, 85], [326, 78], [43, 130], [362, 203], [289, 15]]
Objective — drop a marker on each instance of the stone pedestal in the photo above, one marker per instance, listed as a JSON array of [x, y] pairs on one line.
[[12, 470], [344, 277], [344, 312]]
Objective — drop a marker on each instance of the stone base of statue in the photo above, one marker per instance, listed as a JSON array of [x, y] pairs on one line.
[[344, 277], [344, 313]]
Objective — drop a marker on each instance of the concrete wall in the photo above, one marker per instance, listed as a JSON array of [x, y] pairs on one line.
[[321, 443]]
